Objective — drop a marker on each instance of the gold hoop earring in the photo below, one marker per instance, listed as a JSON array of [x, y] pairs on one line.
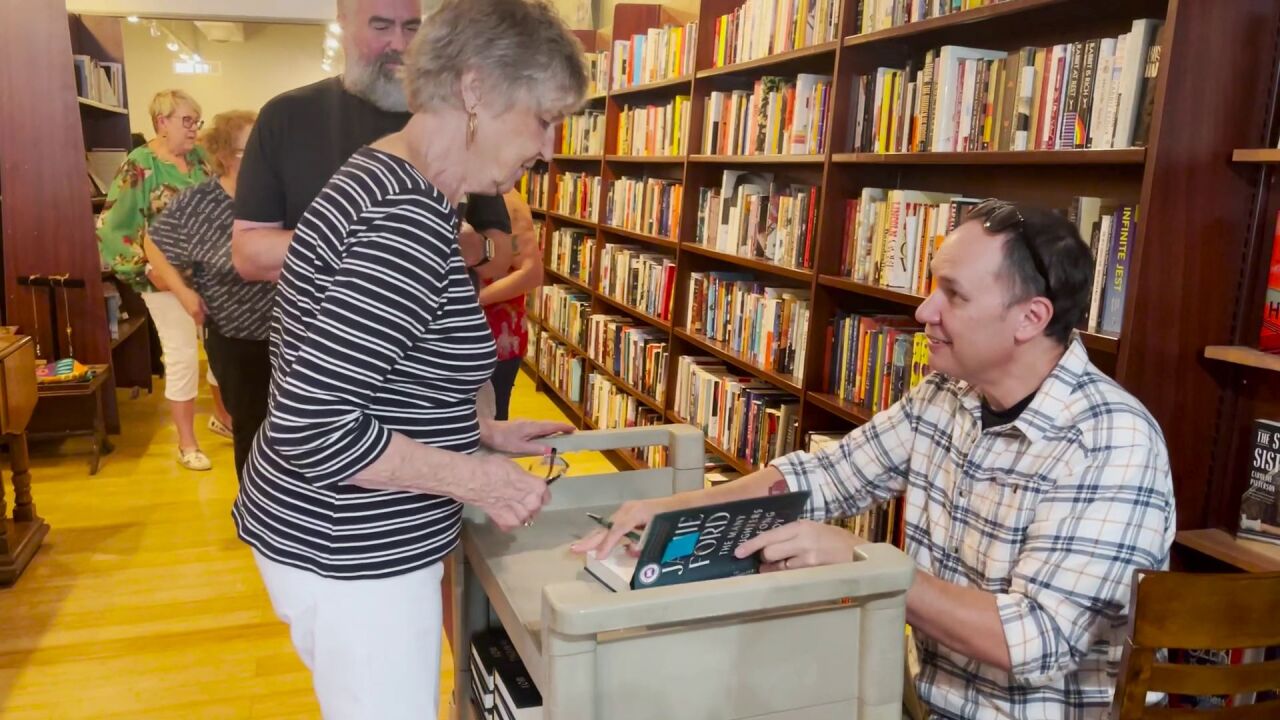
[[471, 127]]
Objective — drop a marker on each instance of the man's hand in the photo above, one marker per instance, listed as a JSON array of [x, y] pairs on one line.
[[801, 544], [633, 515], [519, 437]]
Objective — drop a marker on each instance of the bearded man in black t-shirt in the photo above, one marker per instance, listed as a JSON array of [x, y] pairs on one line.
[[301, 138]]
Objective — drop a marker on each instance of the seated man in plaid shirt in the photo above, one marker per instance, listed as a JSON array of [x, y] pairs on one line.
[[1033, 484]]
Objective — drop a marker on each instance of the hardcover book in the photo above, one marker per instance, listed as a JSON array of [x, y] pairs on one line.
[[1260, 506], [698, 543]]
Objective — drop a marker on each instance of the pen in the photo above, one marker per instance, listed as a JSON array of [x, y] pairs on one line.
[[633, 535]]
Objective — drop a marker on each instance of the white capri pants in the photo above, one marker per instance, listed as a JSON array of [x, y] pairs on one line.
[[372, 646], [179, 341]]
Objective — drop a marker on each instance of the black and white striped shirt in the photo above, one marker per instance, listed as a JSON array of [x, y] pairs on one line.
[[376, 329], [194, 233]]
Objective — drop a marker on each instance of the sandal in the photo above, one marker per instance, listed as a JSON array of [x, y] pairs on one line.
[[217, 427], [194, 459]]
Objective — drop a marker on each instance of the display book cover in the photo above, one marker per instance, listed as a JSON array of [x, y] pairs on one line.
[[1260, 505], [697, 544]]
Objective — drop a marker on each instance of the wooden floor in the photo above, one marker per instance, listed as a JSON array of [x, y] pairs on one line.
[[142, 603]]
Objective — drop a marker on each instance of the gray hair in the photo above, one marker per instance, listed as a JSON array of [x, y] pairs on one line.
[[520, 49], [345, 7]]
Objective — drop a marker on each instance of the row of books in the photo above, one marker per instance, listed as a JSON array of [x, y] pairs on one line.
[[573, 253], [746, 418], [760, 28], [890, 236], [564, 309], [535, 187], [597, 72], [751, 216], [609, 406], [881, 523], [873, 360], [776, 116], [583, 133], [884, 14], [1095, 94], [638, 278], [767, 326], [634, 352], [1109, 226], [561, 367], [659, 54], [652, 130], [99, 81], [578, 195], [645, 205]]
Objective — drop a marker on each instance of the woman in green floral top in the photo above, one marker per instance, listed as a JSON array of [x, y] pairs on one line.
[[150, 177]]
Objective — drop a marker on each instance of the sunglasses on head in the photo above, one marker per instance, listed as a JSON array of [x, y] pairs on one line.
[[1004, 217]]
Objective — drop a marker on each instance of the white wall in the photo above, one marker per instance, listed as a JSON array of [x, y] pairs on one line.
[[315, 11], [273, 58]]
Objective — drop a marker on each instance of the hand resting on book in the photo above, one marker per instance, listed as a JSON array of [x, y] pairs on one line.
[[803, 543]]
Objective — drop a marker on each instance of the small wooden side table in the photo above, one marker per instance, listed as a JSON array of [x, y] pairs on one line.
[[21, 533]]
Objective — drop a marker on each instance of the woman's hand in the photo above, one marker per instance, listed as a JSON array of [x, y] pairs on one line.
[[801, 544], [502, 489], [633, 515], [519, 437], [192, 303]]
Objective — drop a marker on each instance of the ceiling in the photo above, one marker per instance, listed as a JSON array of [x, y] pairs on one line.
[[296, 11]]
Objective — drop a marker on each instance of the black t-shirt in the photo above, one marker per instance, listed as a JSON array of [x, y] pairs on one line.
[[300, 140], [996, 418]]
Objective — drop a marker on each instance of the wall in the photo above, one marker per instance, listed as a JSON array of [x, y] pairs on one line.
[[273, 58], [315, 11], [684, 10]]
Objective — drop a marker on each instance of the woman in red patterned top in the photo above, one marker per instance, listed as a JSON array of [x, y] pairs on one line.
[[503, 300]]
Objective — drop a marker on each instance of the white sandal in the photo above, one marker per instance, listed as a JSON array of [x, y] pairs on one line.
[[194, 460], [217, 427]]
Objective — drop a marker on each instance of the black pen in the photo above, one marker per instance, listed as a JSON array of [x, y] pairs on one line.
[[633, 535]]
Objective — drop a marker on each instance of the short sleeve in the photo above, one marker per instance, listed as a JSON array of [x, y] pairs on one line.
[[259, 186]]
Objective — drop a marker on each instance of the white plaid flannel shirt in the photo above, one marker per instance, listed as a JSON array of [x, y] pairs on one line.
[[1051, 513]]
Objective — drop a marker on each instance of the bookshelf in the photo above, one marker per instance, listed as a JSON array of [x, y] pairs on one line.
[[1182, 290]]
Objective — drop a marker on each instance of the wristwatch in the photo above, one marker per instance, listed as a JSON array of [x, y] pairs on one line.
[[488, 251]]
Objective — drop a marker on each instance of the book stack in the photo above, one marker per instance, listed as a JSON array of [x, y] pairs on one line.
[[1096, 94], [99, 81], [766, 326], [751, 216], [746, 418], [578, 195], [645, 205], [572, 253], [638, 278], [760, 28], [634, 352], [659, 54], [565, 309], [499, 680], [885, 14], [654, 130], [774, 116], [583, 133], [1108, 226], [535, 188]]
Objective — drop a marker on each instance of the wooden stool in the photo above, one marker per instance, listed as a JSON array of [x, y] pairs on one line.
[[87, 396]]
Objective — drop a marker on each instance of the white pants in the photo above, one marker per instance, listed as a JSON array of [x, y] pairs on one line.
[[373, 646], [179, 341]]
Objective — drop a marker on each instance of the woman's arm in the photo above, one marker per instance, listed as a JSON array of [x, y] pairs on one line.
[[167, 245], [527, 271], [122, 222]]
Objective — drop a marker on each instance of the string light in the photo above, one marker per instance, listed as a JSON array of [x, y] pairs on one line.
[[133, 19]]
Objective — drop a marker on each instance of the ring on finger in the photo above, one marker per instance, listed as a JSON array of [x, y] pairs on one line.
[[786, 564]]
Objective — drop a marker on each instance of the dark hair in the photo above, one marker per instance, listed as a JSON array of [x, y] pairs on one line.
[[1043, 256]]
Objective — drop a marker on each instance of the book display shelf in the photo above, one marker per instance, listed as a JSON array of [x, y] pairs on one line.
[[1191, 218]]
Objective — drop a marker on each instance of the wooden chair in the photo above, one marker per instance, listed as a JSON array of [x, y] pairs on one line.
[[1199, 611]]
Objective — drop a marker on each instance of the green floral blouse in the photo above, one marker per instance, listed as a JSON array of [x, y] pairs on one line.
[[140, 191]]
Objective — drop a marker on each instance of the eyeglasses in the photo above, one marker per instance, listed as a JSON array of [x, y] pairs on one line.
[[555, 466], [192, 122], [1003, 216]]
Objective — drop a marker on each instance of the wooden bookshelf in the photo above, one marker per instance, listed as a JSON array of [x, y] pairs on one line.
[[1256, 155], [642, 237], [1243, 355], [569, 280], [571, 219], [730, 459], [1246, 555], [86, 103], [1127, 156], [1196, 283], [627, 387], [577, 158]]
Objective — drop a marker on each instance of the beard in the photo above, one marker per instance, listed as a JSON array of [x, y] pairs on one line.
[[376, 82]]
